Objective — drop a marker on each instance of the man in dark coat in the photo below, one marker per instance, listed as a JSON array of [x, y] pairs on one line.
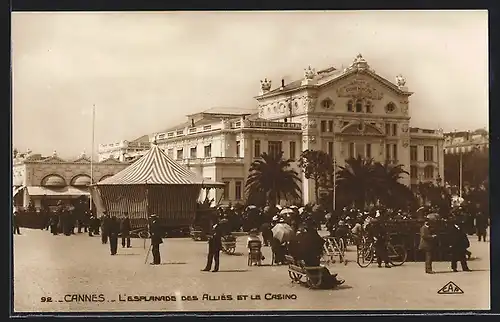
[[125, 230], [214, 248], [378, 233], [105, 228], [15, 222], [427, 245], [267, 233], [458, 244], [54, 222], [481, 225], [113, 231], [156, 233]]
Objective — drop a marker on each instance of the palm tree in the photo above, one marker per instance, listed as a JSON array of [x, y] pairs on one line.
[[390, 191], [356, 180], [272, 177]]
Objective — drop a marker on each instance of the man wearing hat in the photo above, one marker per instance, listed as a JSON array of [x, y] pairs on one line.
[[156, 239], [105, 227], [427, 244], [125, 230], [113, 230], [214, 248]]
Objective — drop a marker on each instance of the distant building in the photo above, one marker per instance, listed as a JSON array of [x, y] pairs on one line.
[[466, 141], [124, 150], [346, 113], [36, 176]]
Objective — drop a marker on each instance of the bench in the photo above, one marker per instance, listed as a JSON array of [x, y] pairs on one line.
[[297, 270]]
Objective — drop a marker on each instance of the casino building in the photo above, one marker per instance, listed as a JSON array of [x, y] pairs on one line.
[[346, 113]]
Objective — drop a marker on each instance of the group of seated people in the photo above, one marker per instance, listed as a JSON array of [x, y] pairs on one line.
[[307, 246]]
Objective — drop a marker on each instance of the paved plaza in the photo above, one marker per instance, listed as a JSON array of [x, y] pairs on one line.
[[61, 266]]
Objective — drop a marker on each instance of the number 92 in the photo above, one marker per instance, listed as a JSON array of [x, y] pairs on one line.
[[45, 299]]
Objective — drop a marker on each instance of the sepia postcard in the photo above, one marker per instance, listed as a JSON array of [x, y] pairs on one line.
[[250, 161]]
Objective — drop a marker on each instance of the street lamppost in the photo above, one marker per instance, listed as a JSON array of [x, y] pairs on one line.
[[92, 157], [334, 191]]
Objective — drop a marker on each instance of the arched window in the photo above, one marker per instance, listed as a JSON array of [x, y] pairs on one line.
[[350, 106], [327, 103], [53, 180], [359, 106]]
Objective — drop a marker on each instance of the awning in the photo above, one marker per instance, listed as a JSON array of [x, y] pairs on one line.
[[52, 191], [212, 184], [16, 190]]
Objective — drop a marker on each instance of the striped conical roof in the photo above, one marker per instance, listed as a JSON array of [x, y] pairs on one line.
[[155, 167]]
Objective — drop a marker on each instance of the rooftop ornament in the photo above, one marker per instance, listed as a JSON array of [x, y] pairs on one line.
[[265, 85]]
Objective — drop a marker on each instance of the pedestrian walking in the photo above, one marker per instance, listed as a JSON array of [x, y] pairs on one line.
[[156, 233], [54, 223], [125, 231], [105, 228], [427, 245], [481, 225], [459, 242], [15, 222], [113, 231], [214, 248]]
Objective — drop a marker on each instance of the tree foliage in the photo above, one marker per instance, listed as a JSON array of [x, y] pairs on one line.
[[316, 165], [362, 182], [272, 178]]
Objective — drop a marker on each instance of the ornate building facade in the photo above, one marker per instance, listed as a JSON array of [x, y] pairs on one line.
[[35, 176], [345, 113]]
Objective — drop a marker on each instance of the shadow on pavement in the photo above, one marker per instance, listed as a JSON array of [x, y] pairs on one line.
[[233, 270]]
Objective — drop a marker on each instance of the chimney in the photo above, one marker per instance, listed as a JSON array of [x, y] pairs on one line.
[[282, 82], [192, 122]]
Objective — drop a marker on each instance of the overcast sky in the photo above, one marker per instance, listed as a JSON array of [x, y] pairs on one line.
[[146, 71]]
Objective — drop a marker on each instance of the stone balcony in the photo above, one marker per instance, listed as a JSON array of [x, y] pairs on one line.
[[267, 125], [212, 161]]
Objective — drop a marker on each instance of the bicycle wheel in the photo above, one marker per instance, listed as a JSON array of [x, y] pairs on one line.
[[144, 234], [397, 254], [365, 256]]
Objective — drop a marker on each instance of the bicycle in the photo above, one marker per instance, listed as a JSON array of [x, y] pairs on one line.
[[334, 247], [397, 254]]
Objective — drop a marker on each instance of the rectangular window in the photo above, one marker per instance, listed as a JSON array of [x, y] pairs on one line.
[[428, 153], [170, 153], [292, 150], [330, 126], [413, 172], [256, 149], [413, 153], [207, 151], [180, 154], [394, 152], [226, 190], [388, 152], [368, 151], [360, 150], [238, 149], [351, 150], [330, 149], [387, 129], [237, 190], [274, 148], [394, 130], [180, 132], [323, 126], [429, 172], [192, 153]]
